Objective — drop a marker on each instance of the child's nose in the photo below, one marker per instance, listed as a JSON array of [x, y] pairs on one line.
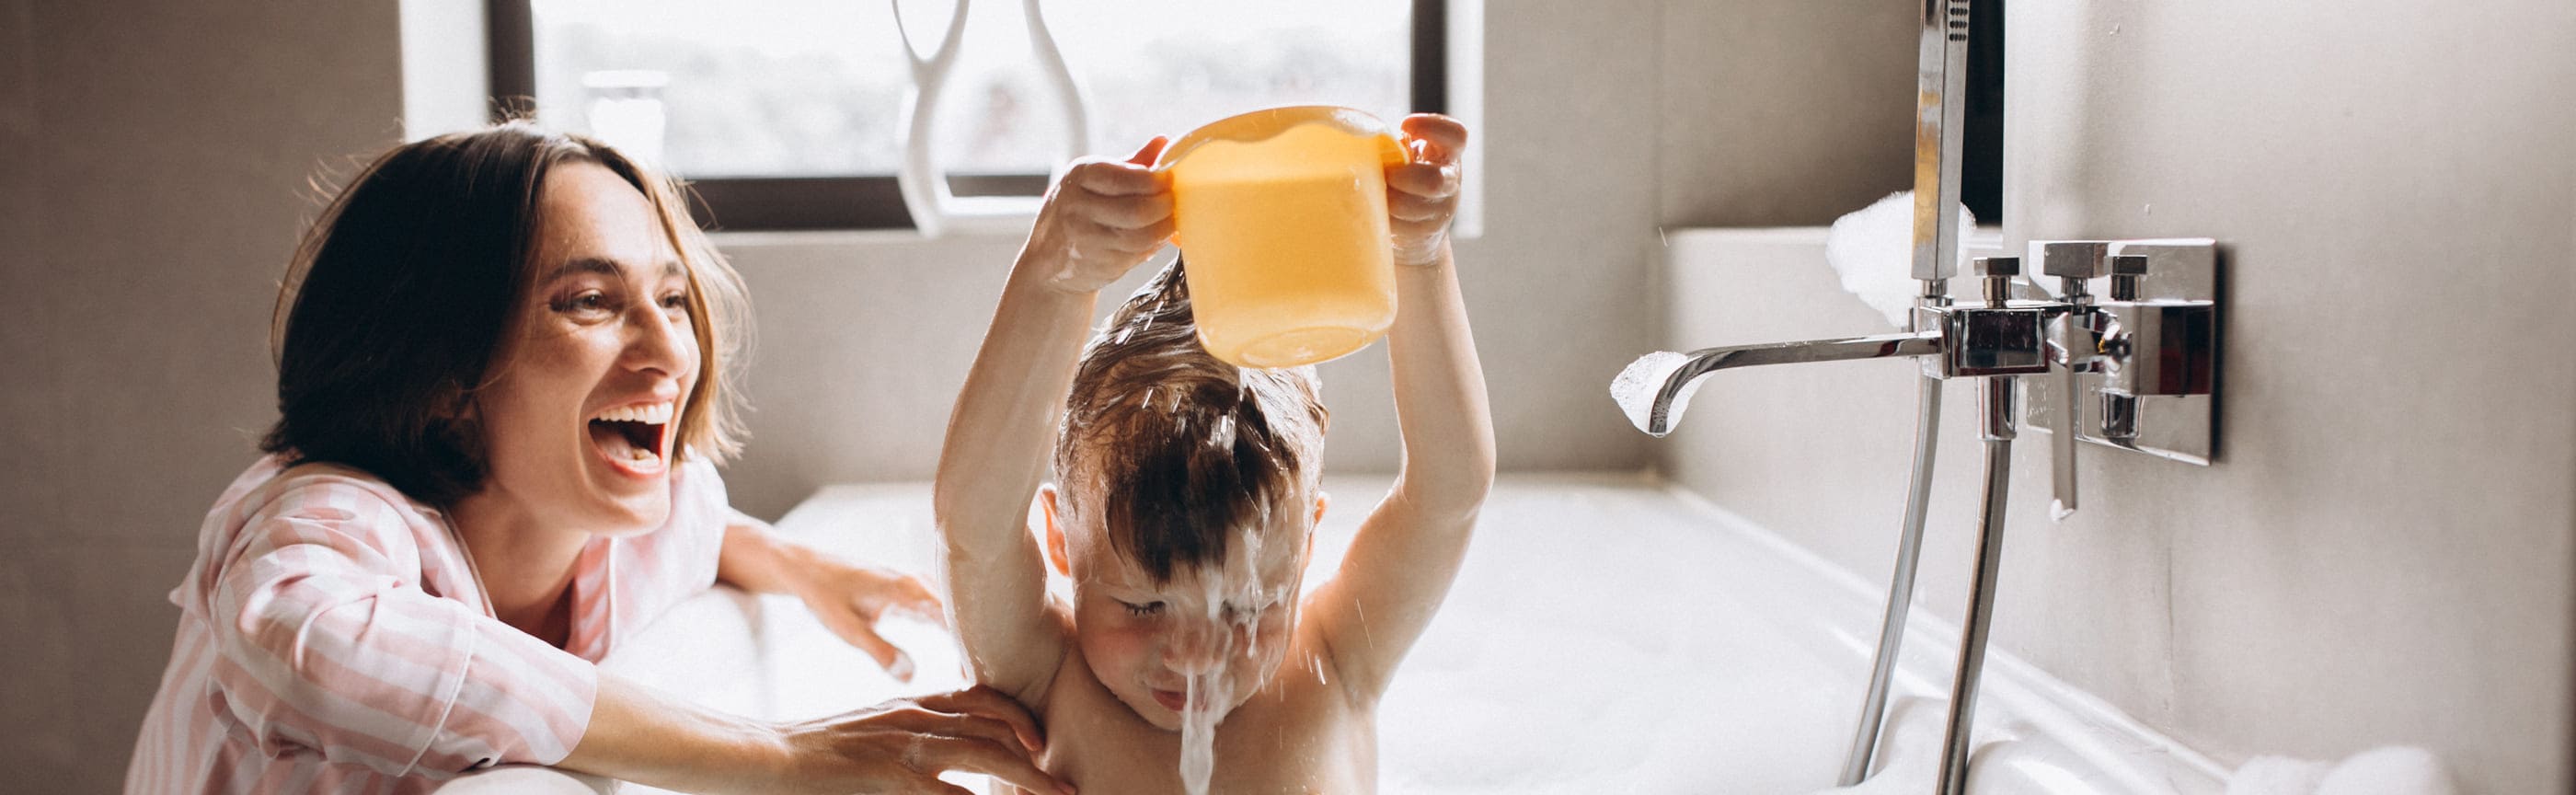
[[1197, 647]]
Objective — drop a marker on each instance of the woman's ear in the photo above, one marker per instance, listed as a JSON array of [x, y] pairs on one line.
[[1054, 531]]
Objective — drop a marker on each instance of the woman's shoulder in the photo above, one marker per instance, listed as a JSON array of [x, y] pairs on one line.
[[280, 482]]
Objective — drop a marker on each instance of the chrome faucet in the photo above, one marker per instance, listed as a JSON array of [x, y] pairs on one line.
[[2146, 359]]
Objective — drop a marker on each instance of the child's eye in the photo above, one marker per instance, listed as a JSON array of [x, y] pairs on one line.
[[1146, 609]]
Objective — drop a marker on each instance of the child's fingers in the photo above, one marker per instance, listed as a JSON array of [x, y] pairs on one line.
[[1445, 135], [1103, 239], [1146, 155], [1413, 210], [1108, 178], [1435, 182], [1130, 212]]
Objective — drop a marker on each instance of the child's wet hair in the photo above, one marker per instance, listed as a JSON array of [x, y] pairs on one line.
[[1182, 449]]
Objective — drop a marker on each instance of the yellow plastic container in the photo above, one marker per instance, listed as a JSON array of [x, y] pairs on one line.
[[1281, 214]]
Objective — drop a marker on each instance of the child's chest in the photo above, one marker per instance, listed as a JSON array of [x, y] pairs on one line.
[[1298, 736]]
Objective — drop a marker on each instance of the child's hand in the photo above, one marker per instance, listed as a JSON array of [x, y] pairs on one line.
[[1102, 220], [850, 599], [1422, 196]]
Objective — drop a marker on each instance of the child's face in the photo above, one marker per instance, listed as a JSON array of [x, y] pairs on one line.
[[1228, 624]]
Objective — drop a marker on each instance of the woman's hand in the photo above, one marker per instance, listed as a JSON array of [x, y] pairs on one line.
[[1102, 220], [1422, 195], [902, 746], [850, 599]]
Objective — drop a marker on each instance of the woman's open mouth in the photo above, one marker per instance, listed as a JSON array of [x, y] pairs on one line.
[[631, 438], [1171, 699]]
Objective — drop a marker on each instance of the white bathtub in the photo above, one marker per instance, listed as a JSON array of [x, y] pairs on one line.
[[1608, 634]]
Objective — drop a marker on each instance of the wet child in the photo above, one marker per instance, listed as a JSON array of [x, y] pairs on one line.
[[1186, 500]]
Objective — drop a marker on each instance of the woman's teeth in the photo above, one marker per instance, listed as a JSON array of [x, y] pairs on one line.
[[647, 413], [632, 432]]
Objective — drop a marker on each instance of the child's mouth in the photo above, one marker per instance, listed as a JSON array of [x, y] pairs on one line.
[[630, 437], [1171, 699]]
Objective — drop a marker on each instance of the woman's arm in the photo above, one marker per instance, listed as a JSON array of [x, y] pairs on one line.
[[325, 643], [847, 598], [638, 735]]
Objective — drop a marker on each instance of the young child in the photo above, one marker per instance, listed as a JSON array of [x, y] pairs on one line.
[[1187, 502]]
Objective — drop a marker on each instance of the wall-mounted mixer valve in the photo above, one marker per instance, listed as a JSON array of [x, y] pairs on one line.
[[2136, 370]]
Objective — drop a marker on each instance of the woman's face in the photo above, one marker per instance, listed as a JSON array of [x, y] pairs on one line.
[[579, 420]]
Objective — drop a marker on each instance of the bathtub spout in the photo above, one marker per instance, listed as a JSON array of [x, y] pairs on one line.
[[1671, 398]]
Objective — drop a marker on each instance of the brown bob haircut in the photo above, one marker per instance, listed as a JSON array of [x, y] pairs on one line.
[[408, 286], [1183, 449]]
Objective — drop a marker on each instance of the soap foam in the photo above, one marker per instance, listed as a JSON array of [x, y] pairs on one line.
[[1873, 250], [1636, 387]]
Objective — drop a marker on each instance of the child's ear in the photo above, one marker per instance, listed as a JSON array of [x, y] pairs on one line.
[[1054, 532], [1321, 500]]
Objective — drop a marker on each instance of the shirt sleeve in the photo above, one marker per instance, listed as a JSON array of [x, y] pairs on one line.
[[325, 641]]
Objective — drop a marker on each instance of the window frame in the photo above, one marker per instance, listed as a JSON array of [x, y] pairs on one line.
[[866, 201]]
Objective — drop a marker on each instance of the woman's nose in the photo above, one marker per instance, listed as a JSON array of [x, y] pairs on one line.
[[661, 341]]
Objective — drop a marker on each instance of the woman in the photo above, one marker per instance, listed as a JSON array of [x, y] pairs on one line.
[[501, 398]]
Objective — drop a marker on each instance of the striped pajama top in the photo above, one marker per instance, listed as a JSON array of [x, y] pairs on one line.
[[333, 638]]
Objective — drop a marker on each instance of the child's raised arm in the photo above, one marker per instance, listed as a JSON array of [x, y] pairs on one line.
[[1399, 567], [1100, 221]]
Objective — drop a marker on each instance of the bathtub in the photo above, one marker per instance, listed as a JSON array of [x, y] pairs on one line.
[[1608, 633]]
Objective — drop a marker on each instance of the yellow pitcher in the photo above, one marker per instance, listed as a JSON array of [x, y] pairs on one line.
[[1281, 214]]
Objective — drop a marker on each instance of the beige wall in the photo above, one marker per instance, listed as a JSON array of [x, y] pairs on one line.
[[153, 159], [152, 165], [2384, 554], [1783, 112]]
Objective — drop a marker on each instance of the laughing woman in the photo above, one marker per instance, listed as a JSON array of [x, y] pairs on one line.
[[501, 400]]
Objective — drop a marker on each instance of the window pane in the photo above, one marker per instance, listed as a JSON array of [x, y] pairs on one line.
[[804, 88]]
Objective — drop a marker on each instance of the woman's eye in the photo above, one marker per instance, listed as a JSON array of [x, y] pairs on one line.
[[1146, 609], [591, 302]]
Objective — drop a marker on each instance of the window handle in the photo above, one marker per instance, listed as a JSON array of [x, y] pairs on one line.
[[936, 210]]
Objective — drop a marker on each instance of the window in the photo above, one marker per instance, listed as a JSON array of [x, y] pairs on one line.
[[785, 113]]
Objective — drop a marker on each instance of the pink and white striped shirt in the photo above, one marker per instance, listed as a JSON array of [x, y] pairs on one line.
[[333, 638]]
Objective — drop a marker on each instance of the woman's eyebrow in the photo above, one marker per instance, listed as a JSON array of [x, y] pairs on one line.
[[608, 267]]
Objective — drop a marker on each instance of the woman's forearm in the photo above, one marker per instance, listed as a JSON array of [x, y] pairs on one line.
[[638, 735]]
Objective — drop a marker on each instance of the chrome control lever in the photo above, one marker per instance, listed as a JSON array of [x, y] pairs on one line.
[[2076, 334]]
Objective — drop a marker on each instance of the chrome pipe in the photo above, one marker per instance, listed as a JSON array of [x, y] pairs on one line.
[[1900, 586], [1996, 401]]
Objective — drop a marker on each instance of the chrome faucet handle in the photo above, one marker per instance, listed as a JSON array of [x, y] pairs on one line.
[[1999, 275], [2075, 263], [2127, 270]]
